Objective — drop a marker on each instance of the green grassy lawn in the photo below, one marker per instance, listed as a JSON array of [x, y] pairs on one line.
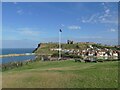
[[63, 74]]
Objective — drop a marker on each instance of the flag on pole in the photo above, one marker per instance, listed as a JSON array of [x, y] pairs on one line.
[[60, 30]]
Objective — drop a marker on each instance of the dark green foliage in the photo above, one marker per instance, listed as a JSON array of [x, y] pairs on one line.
[[67, 55], [104, 46], [77, 46]]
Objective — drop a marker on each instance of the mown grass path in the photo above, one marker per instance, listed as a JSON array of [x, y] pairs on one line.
[[63, 74]]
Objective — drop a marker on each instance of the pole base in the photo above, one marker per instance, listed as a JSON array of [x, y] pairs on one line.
[[59, 59]]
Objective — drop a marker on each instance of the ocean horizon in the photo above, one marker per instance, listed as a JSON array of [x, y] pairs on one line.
[[6, 51]]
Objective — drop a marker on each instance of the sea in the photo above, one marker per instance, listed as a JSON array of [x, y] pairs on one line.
[[6, 51]]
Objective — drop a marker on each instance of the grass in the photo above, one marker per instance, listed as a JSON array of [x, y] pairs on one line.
[[45, 47], [62, 74]]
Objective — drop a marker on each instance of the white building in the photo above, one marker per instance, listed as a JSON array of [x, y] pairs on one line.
[[115, 54]]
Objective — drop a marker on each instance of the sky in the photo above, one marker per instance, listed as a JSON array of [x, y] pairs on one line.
[[25, 24]]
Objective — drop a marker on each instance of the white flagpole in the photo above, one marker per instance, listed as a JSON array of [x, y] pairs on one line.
[[59, 45]]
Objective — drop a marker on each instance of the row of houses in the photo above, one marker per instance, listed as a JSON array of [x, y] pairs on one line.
[[91, 51]]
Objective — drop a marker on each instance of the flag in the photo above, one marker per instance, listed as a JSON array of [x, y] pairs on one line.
[[60, 30]]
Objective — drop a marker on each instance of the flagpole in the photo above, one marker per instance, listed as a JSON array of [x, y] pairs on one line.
[[59, 45]]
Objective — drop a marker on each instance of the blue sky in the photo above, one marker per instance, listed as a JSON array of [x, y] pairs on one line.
[[26, 24]]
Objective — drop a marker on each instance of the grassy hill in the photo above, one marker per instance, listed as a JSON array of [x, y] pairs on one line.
[[45, 47], [63, 74]]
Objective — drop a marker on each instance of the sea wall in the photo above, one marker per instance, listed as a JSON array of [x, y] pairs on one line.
[[13, 55]]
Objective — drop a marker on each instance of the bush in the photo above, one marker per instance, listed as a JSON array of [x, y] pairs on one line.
[[67, 55]]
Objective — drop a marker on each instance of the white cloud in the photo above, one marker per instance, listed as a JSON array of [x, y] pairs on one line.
[[29, 31], [62, 25], [109, 21], [91, 37], [107, 11], [91, 19], [74, 27], [103, 3], [107, 16], [84, 21], [15, 3], [112, 30], [20, 12]]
